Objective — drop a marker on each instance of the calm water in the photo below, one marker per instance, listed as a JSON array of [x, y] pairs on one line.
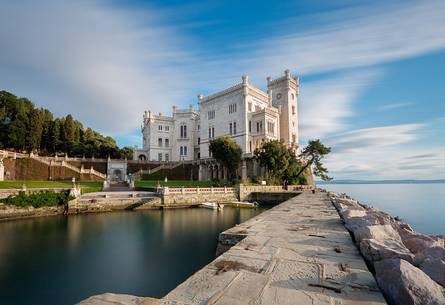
[[62, 260], [421, 205]]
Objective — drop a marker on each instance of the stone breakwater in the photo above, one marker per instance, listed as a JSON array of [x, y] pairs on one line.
[[297, 252], [409, 266]]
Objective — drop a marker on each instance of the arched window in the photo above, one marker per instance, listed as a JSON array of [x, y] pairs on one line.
[[183, 130], [142, 158]]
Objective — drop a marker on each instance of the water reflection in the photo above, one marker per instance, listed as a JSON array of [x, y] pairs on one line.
[[61, 260]]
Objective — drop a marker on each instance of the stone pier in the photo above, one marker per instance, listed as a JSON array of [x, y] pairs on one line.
[[295, 253]]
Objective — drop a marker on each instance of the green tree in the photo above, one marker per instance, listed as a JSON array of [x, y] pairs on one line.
[[47, 118], [56, 135], [228, 153], [68, 133], [275, 156], [18, 127], [126, 152], [35, 129], [312, 155]]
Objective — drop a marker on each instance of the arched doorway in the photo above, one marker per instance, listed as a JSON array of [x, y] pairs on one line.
[[142, 158], [117, 175]]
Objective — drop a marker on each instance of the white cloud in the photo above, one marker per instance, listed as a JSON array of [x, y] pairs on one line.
[[388, 152], [359, 37], [372, 138], [102, 64], [325, 105]]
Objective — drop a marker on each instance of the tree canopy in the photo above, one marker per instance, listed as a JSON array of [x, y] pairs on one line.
[[228, 153], [282, 164], [312, 155], [275, 156], [25, 127]]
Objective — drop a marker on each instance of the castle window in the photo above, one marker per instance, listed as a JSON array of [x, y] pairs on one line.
[[167, 128], [234, 127], [167, 142], [270, 127], [160, 142], [183, 131], [210, 132], [250, 146], [250, 126], [293, 109], [199, 141], [211, 114], [232, 108], [160, 127], [230, 128], [185, 150], [166, 157], [293, 96], [259, 126], [181, 150], [213, 132], [159, 157]]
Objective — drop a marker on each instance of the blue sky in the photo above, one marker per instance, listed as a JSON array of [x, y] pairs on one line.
[[371, 72]]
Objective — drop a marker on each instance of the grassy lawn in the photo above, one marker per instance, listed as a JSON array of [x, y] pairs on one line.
[[87, 186]]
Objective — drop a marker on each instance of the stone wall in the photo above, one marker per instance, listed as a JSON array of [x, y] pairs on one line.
[[254, 192], [196, 196], [25, 169], [8, 192]]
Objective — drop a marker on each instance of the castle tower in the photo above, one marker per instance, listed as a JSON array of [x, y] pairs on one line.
[[284, 93]]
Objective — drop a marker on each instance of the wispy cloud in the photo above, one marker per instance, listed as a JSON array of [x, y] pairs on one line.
[[325, 105], [105, 65], [395, 106], [372, 138], [388, 152], [359, 37]]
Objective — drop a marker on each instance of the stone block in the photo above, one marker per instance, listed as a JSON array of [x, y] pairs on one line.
[[377, 232], [404, 284], [376, 250]]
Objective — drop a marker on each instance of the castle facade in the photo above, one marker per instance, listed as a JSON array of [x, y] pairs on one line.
[[243, 112]]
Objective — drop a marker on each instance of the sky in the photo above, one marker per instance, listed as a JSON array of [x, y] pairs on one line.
[[371, 72]]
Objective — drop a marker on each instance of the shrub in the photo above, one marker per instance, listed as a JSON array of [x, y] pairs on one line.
[[38, 199]]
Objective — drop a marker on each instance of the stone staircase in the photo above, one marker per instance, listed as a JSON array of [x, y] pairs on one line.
[[171, 165], [118, 186], [52, 163]]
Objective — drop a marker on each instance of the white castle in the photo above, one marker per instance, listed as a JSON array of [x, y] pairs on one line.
[[243, 112]]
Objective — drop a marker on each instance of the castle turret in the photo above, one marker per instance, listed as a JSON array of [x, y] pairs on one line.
[[284, 93]]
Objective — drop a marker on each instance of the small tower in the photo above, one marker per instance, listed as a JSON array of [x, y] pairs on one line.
[[284, 93]]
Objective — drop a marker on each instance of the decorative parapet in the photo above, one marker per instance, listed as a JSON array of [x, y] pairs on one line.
[[222, 93]]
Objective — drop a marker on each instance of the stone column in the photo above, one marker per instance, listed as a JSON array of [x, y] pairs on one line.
[[244, 170], [255, 168], [2, 169], [200, 178]]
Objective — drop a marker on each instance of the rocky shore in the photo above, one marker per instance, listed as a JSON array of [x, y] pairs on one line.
[[12, 212], [409, 267]]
